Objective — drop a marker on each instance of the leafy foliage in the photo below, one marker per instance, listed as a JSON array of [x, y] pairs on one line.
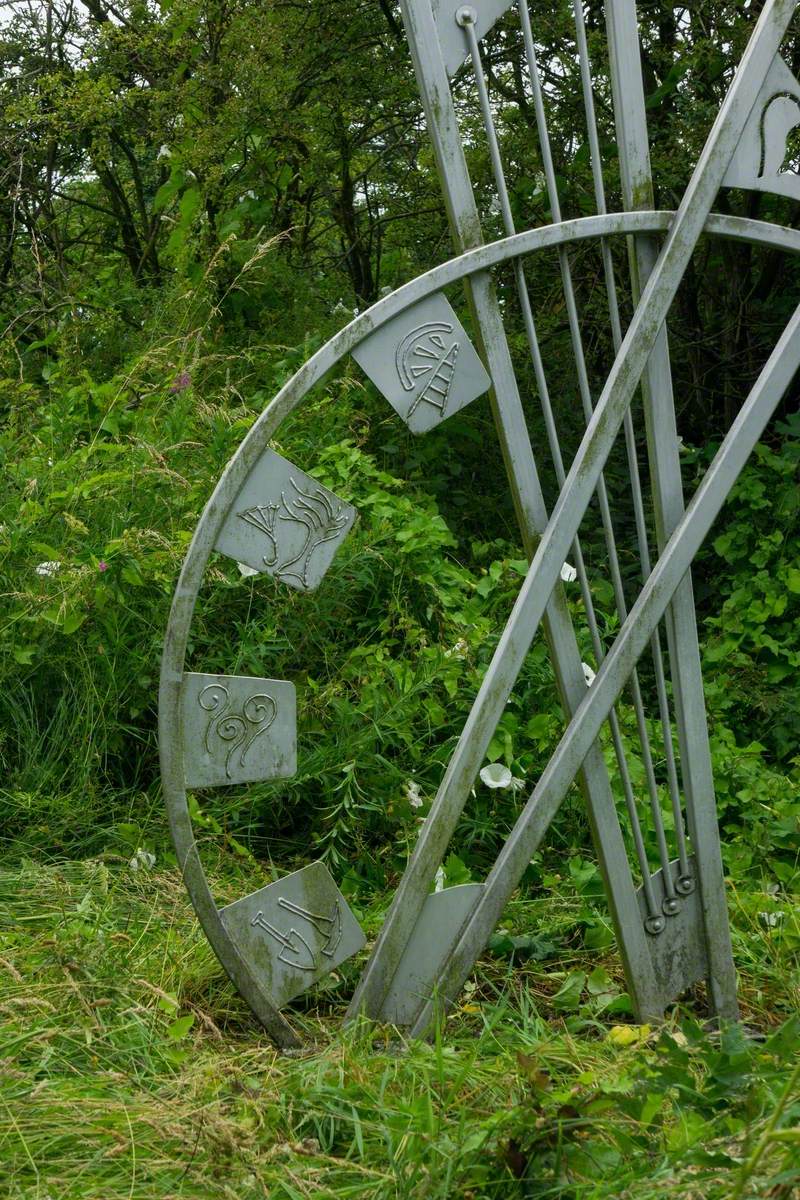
[[196, 196]]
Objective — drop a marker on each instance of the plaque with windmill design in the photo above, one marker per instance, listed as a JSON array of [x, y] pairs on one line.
[[424, 364]]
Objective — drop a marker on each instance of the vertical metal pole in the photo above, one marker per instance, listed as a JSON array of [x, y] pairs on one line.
[[434, 87], [662, 440]]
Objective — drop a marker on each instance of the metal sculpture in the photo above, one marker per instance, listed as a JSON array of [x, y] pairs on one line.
[[672, 929]]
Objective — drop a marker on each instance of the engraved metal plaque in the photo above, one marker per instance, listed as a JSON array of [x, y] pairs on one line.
[[424, 364], [293, 932], [452, 40], [285, 523], [237, 729], [759, 160]]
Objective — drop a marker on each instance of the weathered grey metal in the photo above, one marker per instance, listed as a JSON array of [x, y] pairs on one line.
[[760, 158], [663, 453], [477, 261], [586, 472], [294, 932], [372, 989], [670, 903], [450, 38], [689, 534], [443, 915], [285, 524], [465, 19], [237, 729], [424, 364]]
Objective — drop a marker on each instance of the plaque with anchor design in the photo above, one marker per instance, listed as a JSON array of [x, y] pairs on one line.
[[424, 364], [293, 932]]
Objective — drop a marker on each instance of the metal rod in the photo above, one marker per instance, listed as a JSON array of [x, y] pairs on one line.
[[466, 20], [630, 643], [623, 380], [459, 777], [633, 465]]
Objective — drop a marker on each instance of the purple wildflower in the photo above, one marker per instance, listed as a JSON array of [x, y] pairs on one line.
[[183, 381], [102, 565]]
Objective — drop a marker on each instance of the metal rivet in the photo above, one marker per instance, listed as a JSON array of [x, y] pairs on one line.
[[655, 925], [466, 15], [685, 885], [671, 906]]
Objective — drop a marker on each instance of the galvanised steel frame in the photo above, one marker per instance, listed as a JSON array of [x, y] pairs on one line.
[[680, 907]]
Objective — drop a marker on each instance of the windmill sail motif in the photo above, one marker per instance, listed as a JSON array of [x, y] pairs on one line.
[[428, 353]]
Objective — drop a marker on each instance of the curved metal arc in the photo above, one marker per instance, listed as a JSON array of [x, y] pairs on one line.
[[689, 534], [233, 477]]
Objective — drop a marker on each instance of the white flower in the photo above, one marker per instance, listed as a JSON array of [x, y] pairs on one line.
[[496, 775], [413, 794], [569, 573], [339, 308], [163, 152], [588, 674], [517, 784], [143, 859], [438, 883], [771, 919], [48, 568], [249, 195], [247, 571], [458, 651]]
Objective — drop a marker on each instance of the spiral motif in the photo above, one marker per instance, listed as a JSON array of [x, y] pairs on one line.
[[260, 710], [237, 731], [216, 700]]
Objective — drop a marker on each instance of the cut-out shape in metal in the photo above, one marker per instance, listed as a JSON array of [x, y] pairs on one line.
[[237, 729], [285, 524], [424, 364], [451, 36], [293, 932], [759, 162]]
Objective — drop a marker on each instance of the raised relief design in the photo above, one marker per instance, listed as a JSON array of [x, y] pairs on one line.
[[237, 729], [424, 364], [427, 351], [763, 160], [295, 949], [285, 524], [293, 932]]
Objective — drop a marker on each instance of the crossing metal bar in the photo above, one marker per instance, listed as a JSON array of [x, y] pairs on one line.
[[655, 918], [659, 409], [410, 897], [584, 473], [678, 554], [685, 882]]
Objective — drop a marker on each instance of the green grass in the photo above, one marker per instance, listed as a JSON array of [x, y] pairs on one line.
[[130, 1069]]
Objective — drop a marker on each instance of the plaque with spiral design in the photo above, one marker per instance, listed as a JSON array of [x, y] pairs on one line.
[[237, 729]]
